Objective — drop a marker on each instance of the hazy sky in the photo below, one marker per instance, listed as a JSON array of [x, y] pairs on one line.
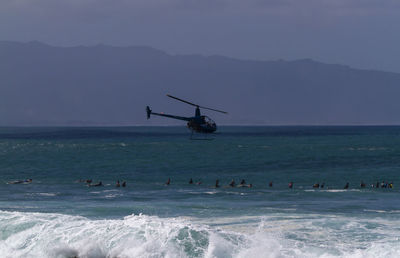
[[360, 33]]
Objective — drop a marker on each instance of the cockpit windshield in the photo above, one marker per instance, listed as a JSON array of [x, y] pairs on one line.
[[209, 121]]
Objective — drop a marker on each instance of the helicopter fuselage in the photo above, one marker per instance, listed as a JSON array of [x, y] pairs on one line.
[[202, 124], [197, 123]]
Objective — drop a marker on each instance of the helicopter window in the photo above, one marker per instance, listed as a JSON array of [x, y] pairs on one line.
[[208, 120]]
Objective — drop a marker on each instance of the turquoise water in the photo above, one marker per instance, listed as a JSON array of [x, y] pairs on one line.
[[58, 216]]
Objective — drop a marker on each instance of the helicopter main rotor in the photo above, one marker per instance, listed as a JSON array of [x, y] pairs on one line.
[[198, 106]]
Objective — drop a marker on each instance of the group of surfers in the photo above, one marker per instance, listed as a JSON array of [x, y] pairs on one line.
[[217, 185], [362, 185], [290, 185], [89, 183]]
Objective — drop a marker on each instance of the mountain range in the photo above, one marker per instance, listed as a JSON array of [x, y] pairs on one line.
[[105, 85]]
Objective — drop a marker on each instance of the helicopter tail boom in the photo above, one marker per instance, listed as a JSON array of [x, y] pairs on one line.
[[150, 112]]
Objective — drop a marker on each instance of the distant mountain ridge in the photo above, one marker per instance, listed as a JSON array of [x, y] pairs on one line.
[[104, 85]]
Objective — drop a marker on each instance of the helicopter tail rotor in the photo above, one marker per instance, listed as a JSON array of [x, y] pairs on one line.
[[148, 111]]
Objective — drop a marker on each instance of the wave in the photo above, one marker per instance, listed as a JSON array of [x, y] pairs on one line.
[[25, 234]]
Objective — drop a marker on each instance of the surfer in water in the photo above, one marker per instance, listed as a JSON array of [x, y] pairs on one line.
[[190, 181], [98, 184], [346, 186], [243, 184], [216, 183], [26, 181], [117, 184], [168, 181], [124, 184], [232, 183], [291, 185], [270, 184]]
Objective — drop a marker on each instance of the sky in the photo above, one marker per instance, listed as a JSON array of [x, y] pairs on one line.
[[360, 33]]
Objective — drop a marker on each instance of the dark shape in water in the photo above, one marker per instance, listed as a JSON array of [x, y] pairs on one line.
[[98, 184], [16, 182]]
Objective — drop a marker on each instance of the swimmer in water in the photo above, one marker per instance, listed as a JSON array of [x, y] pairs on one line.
[[270, 184], [362, 184], [316, 185], [322, 185], [291, 185]]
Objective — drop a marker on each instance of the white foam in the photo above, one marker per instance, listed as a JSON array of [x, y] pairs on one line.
[[48, 194], [275, 235], [341, 190]]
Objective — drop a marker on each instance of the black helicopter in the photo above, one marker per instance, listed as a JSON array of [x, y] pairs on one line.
[[196, 123]]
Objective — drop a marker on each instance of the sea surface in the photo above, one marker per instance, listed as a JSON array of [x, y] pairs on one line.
[[58, 215]]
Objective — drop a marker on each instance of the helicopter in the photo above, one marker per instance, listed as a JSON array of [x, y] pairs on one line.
[[197, 123]]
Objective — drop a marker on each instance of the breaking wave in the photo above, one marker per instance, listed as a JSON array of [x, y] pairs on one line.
[[25, 234]]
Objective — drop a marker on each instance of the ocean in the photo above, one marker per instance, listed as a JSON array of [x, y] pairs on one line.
[[59, 215]]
